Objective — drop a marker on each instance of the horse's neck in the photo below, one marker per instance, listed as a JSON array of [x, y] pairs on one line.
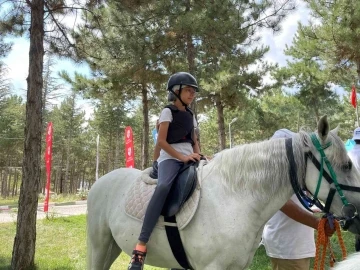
[[249, 202]]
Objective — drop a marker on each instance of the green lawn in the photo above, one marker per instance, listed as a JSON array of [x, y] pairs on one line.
[[61, 244]]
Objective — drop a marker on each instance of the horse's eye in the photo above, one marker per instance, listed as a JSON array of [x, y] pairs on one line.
[[346, 167]]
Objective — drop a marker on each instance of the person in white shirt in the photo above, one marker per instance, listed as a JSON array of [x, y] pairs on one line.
[[288, 236], [354, 155]]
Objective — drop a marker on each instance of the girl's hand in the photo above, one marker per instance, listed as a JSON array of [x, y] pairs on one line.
[[192, 157]]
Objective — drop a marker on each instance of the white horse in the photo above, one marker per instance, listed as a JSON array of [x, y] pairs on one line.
[[351, 263], [241, 188]]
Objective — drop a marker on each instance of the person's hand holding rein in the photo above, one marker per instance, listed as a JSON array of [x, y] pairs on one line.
[[192, 157], [327, 228], [328, 231]]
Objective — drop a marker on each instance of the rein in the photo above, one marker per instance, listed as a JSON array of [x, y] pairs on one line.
[[323, 242]]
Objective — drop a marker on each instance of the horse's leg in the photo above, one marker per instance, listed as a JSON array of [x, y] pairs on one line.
[[102, 248], [104, 251], [112, 253]]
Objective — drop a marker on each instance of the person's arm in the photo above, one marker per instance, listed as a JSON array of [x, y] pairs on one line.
[[157, 147], [196, 144], [156, 152], [297, 213]]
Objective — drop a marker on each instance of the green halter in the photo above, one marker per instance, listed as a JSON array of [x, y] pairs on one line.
[[321, 149]]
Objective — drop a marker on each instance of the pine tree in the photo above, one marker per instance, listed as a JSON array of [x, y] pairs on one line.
[[138, 46], [334, 33], [41, 19]]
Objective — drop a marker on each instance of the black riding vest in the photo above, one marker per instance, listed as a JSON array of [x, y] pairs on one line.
[[182, 127]]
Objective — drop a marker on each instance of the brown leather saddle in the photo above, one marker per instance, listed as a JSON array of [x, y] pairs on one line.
[[181, 189]]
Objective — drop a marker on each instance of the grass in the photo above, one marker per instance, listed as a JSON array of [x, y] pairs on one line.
[[61, 245], [9, 201]]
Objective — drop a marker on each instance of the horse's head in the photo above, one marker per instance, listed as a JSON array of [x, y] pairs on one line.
[[331, 177]]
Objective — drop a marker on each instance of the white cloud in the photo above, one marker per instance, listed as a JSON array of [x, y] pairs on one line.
[[278, 41], [18, 64]]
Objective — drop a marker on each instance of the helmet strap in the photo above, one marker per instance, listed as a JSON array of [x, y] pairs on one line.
[[178, 96]]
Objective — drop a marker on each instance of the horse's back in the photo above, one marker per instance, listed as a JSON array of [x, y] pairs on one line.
[[111, 186]]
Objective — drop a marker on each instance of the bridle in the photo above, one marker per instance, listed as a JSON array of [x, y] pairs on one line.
[[348, 211]]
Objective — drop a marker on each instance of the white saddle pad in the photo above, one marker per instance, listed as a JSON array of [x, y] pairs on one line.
[[142, 190]]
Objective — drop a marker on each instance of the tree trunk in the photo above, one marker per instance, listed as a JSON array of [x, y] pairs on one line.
[[58, 179], [83, 177], [117, 150], [145, 135], [190, 56], [4, 182], [190, 53], [66, 186], [9, 181], [24, 244], [62, 182], [46, 87], [15, 183], [221, 122], [109, 153]]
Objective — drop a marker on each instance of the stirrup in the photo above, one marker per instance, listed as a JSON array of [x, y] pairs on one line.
[[137, 260]]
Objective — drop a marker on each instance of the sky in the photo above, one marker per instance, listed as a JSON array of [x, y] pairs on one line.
[[18, 63], [278, 41], [17, 60]]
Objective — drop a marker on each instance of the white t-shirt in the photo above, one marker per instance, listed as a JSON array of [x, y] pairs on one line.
[[282, 133], [354, 155], [283, 237], [184, 148]]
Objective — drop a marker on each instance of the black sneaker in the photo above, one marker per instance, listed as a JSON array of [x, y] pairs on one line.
[[137, 260]]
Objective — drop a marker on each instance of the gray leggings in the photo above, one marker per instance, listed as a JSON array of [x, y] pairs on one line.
[[168, 169]]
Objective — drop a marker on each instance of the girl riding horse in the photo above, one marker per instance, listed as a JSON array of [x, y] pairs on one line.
[[178, 144]]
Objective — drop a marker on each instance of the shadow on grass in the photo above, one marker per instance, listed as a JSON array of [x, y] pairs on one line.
[[5, 263]]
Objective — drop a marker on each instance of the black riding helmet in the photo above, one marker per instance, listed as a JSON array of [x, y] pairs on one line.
[[182, 78]]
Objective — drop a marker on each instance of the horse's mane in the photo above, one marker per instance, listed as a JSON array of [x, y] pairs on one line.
[[263, 166]]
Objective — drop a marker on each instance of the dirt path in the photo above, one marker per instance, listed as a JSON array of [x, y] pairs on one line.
[[58, 210]]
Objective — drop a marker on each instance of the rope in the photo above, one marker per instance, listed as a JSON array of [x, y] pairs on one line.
[[323, 242]]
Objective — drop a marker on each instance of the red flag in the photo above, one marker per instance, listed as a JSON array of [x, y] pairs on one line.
[[353, 98], [129, 148], [48, 156]]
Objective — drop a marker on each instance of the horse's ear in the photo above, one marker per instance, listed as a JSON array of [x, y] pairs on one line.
[[323, 127], [336, 130]]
